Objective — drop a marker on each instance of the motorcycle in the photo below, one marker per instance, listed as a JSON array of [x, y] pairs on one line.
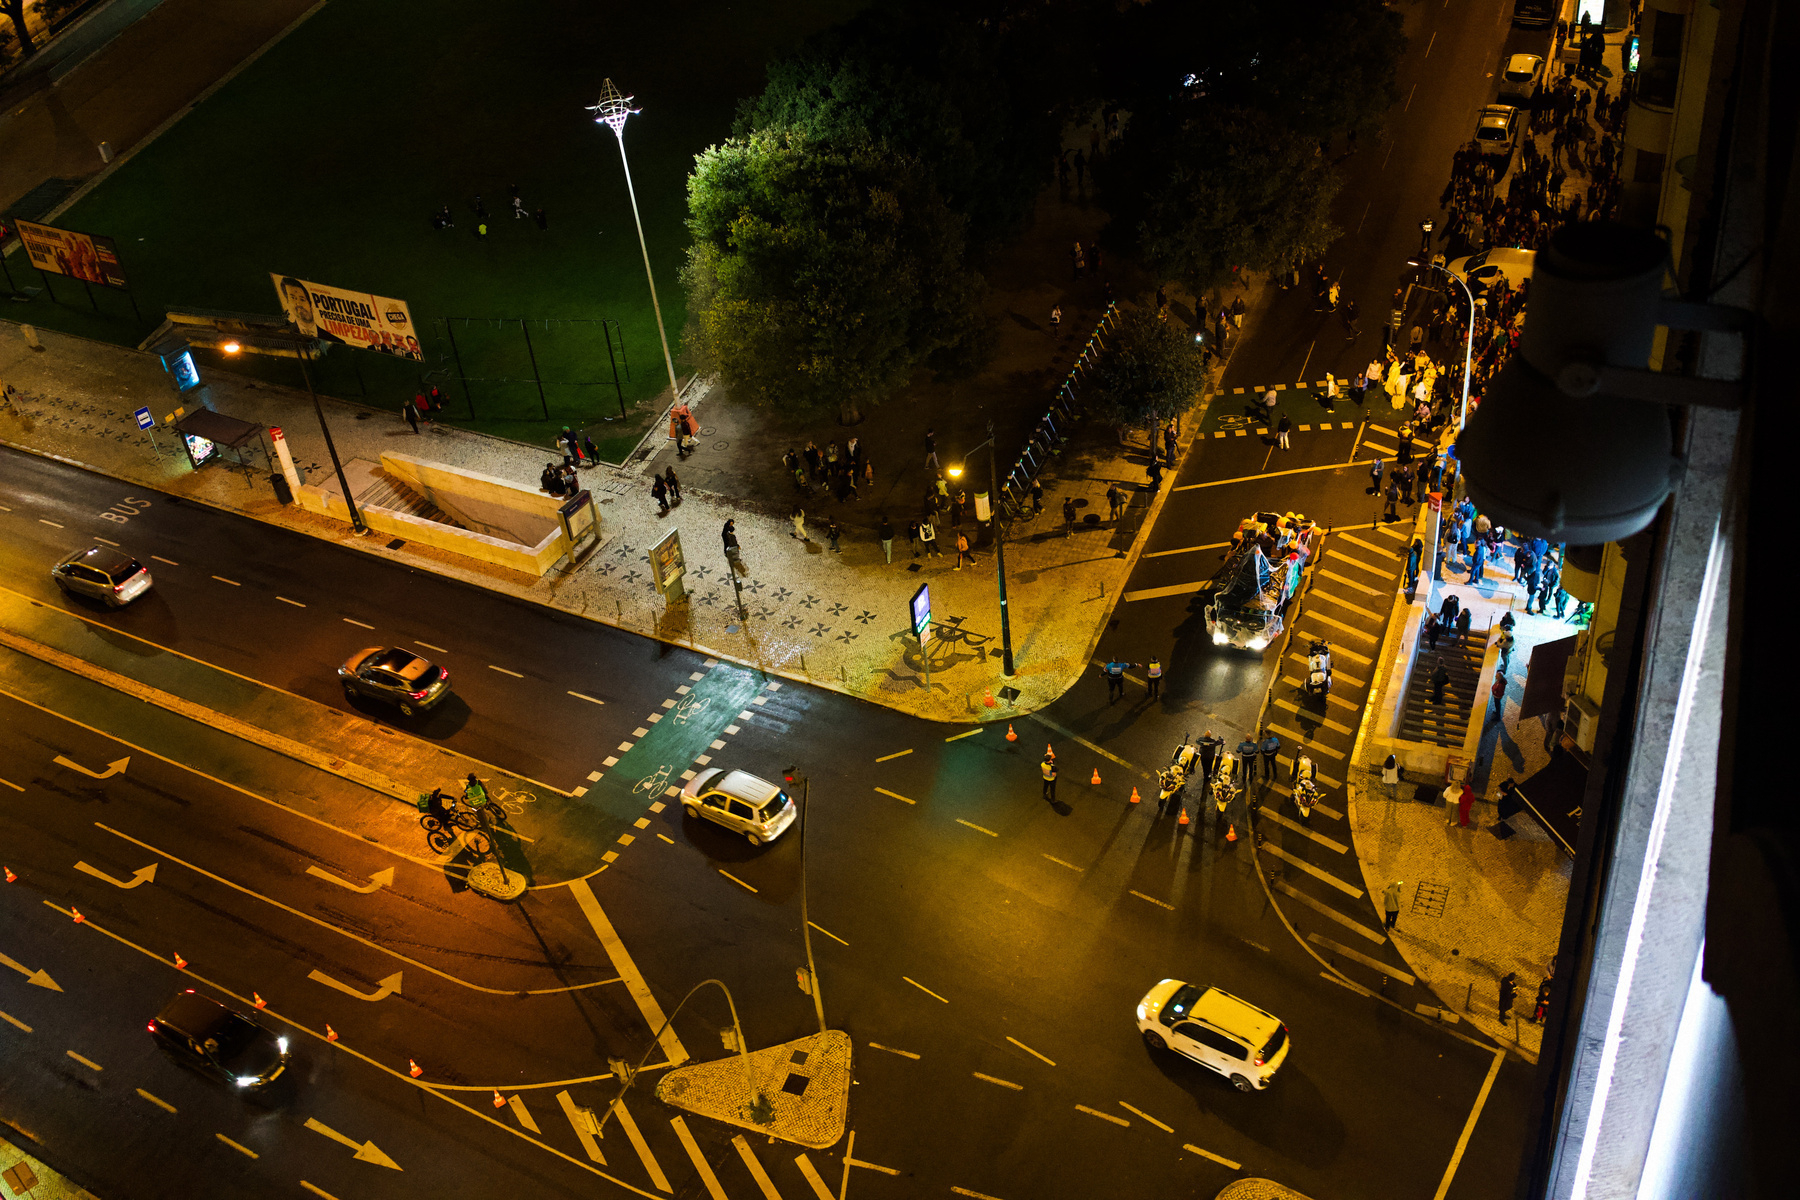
[[1306, 794], [1222, 788], [1318, 668], [1183, 765]]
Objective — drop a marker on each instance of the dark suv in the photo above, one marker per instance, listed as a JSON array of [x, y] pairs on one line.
[[1534, 14], [104, 574], [204, 1035], [394, 676]]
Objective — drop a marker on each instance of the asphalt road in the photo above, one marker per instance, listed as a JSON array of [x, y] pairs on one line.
[[983, 947]]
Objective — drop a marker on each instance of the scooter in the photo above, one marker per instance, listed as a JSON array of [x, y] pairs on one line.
[[1318, 668]]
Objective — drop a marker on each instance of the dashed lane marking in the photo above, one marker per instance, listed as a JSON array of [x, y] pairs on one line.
[[1005, 1083], [1364, 588], [1323, 876], [429, 646], [317, 1191], [1218, 1158], [105, 542], [957, 737], [159, 558], [1140, 1112], [1373, 963], [977, 828], [89, 1063], [1027, 1049], [358, 624], [158, 1101], [1322, 619], [295, 603], [51, 524], [891, 1050], [15, 1022], [1155, 901], [1053, 727], [896, 795], [834, 937], [963, 1191], [736, 880], [699, 1160], [9, 783], [1325, 910], [665, 837], [1158, 593], [756, 1168], [924, 989], [1343, 603], [1269, 814], [232, 582], [1211, 483], [504, 671], [857, 1162], [1187, 550], [1059, 862], [1327, 722], [589, 699], [1104, 1116], [241, 1149]]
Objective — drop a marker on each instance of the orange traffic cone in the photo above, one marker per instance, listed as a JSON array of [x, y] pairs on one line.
[[330, 1034], [1184, 817], [76, 913], [11, 878], [1010, 735], [1049, 751], [1096, 780], [414, 1069], [260, 1002], [1231, 832], [180, 962], [499, 1100], [989, 698], [1134, 796]]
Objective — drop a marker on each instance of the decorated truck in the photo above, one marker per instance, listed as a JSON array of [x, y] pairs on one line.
[[1261, 573]]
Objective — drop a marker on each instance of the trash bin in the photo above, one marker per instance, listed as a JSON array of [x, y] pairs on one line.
[[283, 492]]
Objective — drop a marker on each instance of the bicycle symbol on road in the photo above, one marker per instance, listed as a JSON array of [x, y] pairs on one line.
[[513, 803], [1230, 421], [689, 708], [653, 783]]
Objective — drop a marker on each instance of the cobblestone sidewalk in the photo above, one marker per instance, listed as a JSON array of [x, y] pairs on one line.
[[26, 1176]]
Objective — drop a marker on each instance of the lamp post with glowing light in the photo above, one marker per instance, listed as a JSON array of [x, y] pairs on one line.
[[612, 112], [1426, 260], [300, 349], [955, 471]]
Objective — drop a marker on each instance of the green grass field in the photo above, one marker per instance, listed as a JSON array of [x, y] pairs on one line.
[[326, 157]]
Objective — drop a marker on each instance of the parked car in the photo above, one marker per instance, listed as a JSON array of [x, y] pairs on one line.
[[102, 573], [1217, 1030], [1480, 271], [1519, 74], [219, 1042], [741, 802], [1534, 14], [1498, 130], [395, 676]]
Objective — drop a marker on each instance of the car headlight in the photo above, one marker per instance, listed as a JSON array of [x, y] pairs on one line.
[[281, 1044], [1220, 637], [247, 1081], [1143, 1013], [1256, 643]]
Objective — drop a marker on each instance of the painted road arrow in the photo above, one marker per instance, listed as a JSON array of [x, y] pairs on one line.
[[377, 881], [389, 986], [37, 977], [365, 1151], [142, 875], [115, 767]]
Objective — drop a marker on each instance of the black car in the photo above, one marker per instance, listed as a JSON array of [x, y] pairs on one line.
[[1534, 14], [394, 676], [206, 1036]]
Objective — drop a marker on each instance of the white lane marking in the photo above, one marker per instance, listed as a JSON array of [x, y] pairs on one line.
[[1027, 1049], [735, 879], [1338, 556], [582, 1122], [1269, 814], [1187, 550], [1104, 1116], [104, 542], [14, 1021], [641, 1146], [244, 1150], [316, 1190], [86, 1062], [1315, 872], [9, 783], [1154, 900], [52, 524], [1218, 1158], [665, 837], [159, 558], [589, 699], [834, 937], [1188, 487], [1060, 731], [977, 828], [883, 791], [812, 1177], [295, 603], [1005, 1083], [899, 754], [756, 1168], [857, 1162], [504, 671], [699, 1160], [924, 989], [1059, 862], [517, 1103], [1356, 541], [697, 676], [1320, 594], [1140, 1112], [891, 1050], [1312, 747], [158, 1101], [1374, 964], [1157, 593], [232, 582], [1351, 583], [429, 646], [963, 1191], [957, 737], [634, 980], [358, 624], [1325, 910]]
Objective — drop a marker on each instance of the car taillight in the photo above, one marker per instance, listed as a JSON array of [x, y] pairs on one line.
[[151, 1027], [419, 695], [1259, 1060]]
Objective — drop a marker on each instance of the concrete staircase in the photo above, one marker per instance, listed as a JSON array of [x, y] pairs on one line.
[[1445, 723], [384, 491]]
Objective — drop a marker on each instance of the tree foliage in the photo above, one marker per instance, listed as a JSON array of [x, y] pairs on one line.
[[1151, 371], [14, 10], [823, 273], [1198, 193]]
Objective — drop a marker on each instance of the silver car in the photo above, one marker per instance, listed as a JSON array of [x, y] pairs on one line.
[[741, 802], [394, 676], [1497, 130], [104, 574]]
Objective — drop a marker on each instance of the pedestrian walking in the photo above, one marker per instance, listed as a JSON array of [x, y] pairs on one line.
[[674, 484], [1212, 749], [410, 411], [928, 535], [1499, 692], [1464, 618], [1509, 991], [1170, 442], [962, 551], [1270, 747], [1270, 400], [931, 458], [1237, 313], [832, 533], [1076, 260], [1506, 642], [589, 451], [912, 537], [481, 231], [1390, 901], [1281, 431], [885, 531], [1541, 1009], [1153, 677], [1439, 678], [1390, 779], [798, 517], [1068, 516], [1429, 628], [660, 491], [1376, 470], [1115, 679], [1393, 499], [518, 208], [1048, 769], [1351, 317], [1413, 557], [1478, 561], [1115, 500], [1055, 317], [1154, 472], [729, 536], [1037, 498], [1465, 800]]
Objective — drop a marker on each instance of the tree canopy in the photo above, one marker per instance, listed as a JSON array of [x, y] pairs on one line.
[[823, 273], [1151, 372]]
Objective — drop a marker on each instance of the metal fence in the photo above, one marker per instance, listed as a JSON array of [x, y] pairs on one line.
[[1054, 427]]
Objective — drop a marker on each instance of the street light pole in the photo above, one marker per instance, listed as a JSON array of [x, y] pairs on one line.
[[1006, 650], [812, 972], [1468, 341], [612, 111]]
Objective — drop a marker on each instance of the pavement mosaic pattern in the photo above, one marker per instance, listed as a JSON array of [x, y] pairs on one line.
[[805, 1082]]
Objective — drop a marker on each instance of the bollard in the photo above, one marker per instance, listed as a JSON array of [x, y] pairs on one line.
[[1469, 1000]]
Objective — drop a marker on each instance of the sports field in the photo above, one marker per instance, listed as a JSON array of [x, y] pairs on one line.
[[326, 158]]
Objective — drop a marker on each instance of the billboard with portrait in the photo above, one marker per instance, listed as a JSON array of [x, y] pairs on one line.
[[348, 318], [84, 256]]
